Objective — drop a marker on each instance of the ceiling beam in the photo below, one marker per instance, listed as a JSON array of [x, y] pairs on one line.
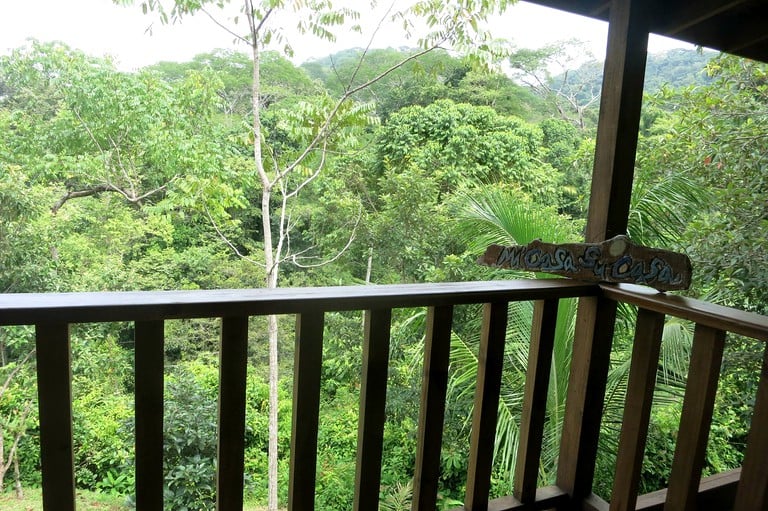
[[731, 31], [679, 16]]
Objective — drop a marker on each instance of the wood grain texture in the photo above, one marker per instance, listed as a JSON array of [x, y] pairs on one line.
[[753, 488], [373, 396], [715, 493], [696, 419], [535, 399], [233, 366], [637, 409], [715, 316], [307, 369], [54, 391], [586, 392], [489, 366], [150, 357], [31, 308], [434, 384], [616, 260]]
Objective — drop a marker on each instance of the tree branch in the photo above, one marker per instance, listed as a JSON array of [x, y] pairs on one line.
[[228, 242]]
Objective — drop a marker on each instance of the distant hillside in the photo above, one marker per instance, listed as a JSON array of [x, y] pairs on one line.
[[674, 68]]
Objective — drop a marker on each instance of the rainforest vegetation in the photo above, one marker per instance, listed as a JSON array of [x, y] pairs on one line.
[[145, 180]]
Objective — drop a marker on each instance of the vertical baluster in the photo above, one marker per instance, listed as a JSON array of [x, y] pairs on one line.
[[486, 405], [307, 366], [148, 387], [233, 366], [637, 409], [373, 394], [54, 390], [535, 399], [437, 349], [752, 493], [699, 401]]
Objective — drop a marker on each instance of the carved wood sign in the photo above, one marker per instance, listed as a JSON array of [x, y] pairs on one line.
[[615, 260]]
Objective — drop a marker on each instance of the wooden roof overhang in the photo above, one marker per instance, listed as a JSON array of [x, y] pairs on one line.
[[739, 27]]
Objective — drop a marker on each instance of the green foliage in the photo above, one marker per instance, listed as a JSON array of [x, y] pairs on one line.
[[189, 444]]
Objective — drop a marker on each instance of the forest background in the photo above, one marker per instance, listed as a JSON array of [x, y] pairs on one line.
[[113, 180]]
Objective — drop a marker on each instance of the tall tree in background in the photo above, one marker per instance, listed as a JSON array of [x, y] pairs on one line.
[[320, 126]]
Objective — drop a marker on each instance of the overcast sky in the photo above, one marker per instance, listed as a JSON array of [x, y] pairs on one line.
[[99, 27]]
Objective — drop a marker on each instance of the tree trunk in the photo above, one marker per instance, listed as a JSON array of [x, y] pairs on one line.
[[17, 477], [270, 262]]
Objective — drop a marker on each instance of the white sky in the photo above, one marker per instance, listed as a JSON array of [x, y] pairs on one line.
[[99, 27]]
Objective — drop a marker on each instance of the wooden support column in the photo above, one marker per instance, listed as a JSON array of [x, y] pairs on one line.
[[612, 177]]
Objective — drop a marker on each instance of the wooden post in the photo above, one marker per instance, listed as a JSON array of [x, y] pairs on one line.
[[637, 409], [233, 369], [307, 370], [616, 145], [150, 357], [489, 365], [373, 396], [434, 384], [54, 391]]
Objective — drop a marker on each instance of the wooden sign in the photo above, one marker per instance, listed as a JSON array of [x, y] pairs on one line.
[[615, 260]]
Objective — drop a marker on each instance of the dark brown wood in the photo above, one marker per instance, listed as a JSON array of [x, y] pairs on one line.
[[434, 384], [548, 497], [373, 395], [753, 488], [616, 260], [307, 369], [535, 399], [586, 391], [489, 365], [739, 322], [233, 366], [595, 503], [716, 493], [713, 24], [680, 16], [54, 393], [31, 308], [619, 120], [704, 371], [637, 409], [150, 355]]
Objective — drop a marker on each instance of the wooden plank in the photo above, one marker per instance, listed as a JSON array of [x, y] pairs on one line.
[[233, 366], [716, 493], [535, 399], [696, 419], [683, 15], [434, 384], [307, 369], [31, 308], [489, 365], [54, 391], [586, 392], [373, 395], [637, 409], [739, 322], [548, 497], [617, 260], [149, 353], [753, 488], [619, 120]]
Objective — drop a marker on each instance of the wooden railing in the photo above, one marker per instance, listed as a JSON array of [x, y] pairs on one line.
[[53, 313]]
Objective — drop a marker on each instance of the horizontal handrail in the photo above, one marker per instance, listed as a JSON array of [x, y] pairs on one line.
[[712, 315], [31, 308]]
